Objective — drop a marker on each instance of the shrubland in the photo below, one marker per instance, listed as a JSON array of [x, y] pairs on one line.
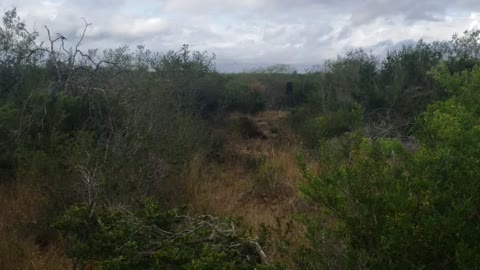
[[128, 158]]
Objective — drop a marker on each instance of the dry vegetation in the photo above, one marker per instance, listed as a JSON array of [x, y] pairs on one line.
[[19, 247], [256, 181]]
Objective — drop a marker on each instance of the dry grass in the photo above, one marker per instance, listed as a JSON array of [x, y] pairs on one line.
[[229, 189], [21, 204], [233, 175], [272, 115], [257, 182]]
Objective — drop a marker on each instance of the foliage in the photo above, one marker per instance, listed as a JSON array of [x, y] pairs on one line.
[[148, 238], [239, 96], [325, 126], [140, 109], [391, 92], [397, 209]]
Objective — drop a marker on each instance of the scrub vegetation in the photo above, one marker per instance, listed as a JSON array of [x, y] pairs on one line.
[[127, 158]]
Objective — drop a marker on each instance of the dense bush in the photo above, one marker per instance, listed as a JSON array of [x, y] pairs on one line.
[[392, 91], [149, 238], [143, 113], [244, 96], [98, 130], [397, 209], [325, 126]]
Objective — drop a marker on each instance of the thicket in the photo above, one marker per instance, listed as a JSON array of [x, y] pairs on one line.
[[99, 131], [391, 91], [386, 206]]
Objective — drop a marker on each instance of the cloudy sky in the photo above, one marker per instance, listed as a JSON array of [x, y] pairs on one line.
[[244, 33]]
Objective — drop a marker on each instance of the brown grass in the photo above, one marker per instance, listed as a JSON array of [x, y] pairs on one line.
[[266, 196], [228, 189], [20, 205]]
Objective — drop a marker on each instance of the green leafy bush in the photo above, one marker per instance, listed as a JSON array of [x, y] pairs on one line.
[[240, 96], [400, 210], [325, 126], [149, 238]]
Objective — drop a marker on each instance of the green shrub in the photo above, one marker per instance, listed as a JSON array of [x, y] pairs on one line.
[[149, 238], [240, 97], [325, 126], [400, 210], [8, 125]]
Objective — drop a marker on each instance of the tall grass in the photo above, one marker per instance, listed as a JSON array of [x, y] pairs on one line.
[[20, 248]]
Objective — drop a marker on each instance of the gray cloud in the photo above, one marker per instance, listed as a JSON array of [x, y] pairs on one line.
[[253, 31]]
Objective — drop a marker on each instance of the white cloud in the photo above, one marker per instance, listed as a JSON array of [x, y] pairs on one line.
[[140, 27], [205, 5], [260, 31]]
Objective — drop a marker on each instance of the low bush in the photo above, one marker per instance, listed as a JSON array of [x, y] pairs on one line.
[[149, 238], [325, 126], [243, 96]]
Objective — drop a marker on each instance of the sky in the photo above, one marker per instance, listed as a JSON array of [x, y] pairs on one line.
[[251, 33]]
